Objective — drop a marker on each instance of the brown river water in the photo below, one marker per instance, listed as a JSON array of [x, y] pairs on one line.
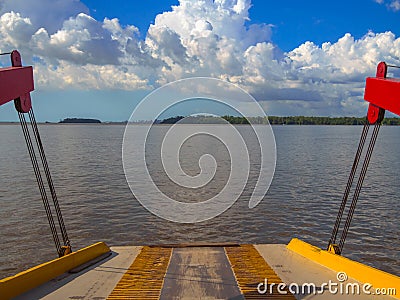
[[313, 163]]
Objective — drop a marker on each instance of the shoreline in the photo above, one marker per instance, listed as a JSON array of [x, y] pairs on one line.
[[158, 124]]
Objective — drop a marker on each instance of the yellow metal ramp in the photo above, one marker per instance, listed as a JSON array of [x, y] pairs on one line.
[[232, 272], [199, 272]]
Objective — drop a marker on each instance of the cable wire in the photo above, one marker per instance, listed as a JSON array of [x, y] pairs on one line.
[[49, 178], [349, 183], [359, 185], [39, 180]]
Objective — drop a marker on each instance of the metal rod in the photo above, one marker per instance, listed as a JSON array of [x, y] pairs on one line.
[[6, 53], [392, 66]]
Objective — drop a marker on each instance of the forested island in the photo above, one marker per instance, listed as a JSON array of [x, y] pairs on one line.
[[274, 120], [79, 120]]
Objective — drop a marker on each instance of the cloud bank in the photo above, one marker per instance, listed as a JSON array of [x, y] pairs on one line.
[[71, 49]]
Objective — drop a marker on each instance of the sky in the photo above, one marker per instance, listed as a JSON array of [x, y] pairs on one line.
[[98, 59]]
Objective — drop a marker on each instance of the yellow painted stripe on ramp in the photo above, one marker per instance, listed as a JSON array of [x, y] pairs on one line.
[[250, 270], [144, 278]]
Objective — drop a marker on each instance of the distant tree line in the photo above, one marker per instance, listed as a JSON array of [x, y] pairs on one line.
[[79, 120], [274, 120], [302, 120]]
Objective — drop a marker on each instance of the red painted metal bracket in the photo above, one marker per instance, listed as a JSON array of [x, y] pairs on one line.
[[382, 93], [16, 83]]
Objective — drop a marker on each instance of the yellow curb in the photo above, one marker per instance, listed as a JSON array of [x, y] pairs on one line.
[[18, 284], [358, 271]]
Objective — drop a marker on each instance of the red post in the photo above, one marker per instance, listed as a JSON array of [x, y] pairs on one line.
[[382, 93], [16, 83]]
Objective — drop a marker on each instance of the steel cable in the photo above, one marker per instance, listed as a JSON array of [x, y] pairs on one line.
[[49, 178], [349, 183], [359, 185], [39, 180]]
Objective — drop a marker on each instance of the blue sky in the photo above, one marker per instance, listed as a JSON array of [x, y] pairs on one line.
[[294, 21], [100, 58]]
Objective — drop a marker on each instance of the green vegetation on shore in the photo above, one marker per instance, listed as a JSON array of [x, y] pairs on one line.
[[204, 119], [274, 120], [301, 120], [80, 120]]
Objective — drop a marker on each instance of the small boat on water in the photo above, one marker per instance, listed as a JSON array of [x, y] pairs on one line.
[[297, 270]]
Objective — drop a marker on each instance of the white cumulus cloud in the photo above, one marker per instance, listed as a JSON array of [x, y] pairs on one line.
[[81, 40], [49, 14], [194, 38], [83, 53]]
